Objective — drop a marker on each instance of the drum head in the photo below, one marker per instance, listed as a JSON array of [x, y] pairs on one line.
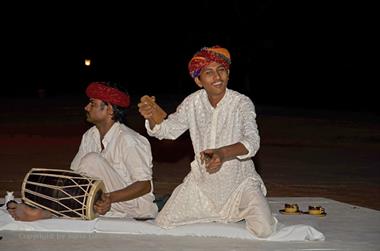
[[96, 192]]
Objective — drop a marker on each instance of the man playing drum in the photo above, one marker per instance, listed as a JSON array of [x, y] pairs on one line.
[[112, 152]]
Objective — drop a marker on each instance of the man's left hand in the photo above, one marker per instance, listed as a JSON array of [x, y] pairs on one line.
[[213, 159]]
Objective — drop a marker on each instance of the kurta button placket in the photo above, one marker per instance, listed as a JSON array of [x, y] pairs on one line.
[[214, 124]]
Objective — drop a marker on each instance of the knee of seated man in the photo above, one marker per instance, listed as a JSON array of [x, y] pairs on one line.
[[91, 157], [261, 229], [90, 160]]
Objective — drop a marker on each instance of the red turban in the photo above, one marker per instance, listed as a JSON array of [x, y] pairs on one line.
[[206, 56], [99, 90]]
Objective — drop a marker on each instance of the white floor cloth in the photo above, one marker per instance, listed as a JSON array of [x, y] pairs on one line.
[[298, 232], [285, 232]]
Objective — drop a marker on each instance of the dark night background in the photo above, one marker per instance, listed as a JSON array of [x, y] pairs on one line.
[[314, 55]]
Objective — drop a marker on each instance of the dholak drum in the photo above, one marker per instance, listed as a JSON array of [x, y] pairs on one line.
[[64, 193]]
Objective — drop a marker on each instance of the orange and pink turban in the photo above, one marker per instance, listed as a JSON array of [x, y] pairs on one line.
[[206, 56], [99, 90]]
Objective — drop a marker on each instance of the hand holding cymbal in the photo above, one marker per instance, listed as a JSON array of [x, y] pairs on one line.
[[158, 114]]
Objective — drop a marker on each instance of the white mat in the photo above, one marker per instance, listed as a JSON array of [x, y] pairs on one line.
[[297, 232]]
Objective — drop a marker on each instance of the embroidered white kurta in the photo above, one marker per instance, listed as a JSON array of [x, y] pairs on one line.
[[204, 197], [125, 159]]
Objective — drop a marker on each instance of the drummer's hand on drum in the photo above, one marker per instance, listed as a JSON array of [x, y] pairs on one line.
[[103, 205]]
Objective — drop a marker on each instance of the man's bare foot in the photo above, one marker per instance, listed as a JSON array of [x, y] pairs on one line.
[[22, 212]]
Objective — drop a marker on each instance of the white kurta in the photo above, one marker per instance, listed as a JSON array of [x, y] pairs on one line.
[[236, 191], [125, 159]]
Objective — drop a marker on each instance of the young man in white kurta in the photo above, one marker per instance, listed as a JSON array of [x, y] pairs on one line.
[[219, 120], [116, 154], [112, 152]]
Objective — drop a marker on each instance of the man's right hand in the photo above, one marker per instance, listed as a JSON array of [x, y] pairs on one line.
[[149, 109], [146, 108]]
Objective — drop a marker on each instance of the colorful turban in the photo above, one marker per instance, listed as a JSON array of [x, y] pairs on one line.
[[99, 90], [206, 56]]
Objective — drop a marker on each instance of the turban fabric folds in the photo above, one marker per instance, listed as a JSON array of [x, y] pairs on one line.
[[206, 56], [98, 90]]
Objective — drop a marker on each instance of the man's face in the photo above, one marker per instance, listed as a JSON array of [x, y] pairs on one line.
[[96, 110], [214, 79]]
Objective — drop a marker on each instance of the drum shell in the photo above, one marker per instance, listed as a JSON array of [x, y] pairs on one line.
[[63, 192]]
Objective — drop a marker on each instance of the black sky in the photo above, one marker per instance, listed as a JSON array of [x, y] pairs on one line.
[[300, 55]]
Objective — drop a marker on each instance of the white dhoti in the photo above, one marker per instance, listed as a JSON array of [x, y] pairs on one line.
[[192, 202], [96, 166]]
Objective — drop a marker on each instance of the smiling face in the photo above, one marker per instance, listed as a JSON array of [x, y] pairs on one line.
[[214, 79]]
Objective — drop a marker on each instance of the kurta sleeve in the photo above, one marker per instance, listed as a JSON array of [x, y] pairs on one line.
[[174, 126], [250, 133], [138, 158]]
